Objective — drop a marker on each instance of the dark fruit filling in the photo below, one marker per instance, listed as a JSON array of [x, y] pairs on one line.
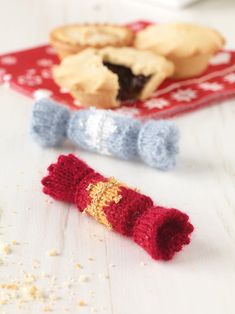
[[130, 85]]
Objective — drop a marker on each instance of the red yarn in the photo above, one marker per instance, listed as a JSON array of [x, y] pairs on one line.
[[160, 231], [124, 214], [64, 176], [82, 198]]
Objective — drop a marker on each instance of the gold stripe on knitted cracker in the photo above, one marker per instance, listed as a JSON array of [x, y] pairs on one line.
[[102, 194]]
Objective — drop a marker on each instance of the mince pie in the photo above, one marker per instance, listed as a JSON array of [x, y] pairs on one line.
[[188, 46], [105, 77], [71, 39]]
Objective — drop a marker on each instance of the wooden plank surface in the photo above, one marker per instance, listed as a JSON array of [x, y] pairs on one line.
[[121, 278]]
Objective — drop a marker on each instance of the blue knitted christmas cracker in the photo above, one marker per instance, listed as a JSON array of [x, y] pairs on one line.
[[106, 132]]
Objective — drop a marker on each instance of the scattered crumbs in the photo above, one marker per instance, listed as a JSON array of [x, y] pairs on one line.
[[3, 302], [53, 253], [77, 265], [47, 309], [93, 310], [91, 259], [6, 248], [34, 293], [1, 262], [101, 240], [14, 242], [81, 303], [10, 286], [29, 278], [84, 278], [143, 264]]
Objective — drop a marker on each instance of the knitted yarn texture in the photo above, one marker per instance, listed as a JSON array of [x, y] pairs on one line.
[[106, 132], [160, 231]]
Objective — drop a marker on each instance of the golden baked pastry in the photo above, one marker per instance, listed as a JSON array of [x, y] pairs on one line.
[[71, 39], [188, 46], [102, 78]]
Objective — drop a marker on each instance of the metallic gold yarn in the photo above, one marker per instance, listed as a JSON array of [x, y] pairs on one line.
[[102, 194]]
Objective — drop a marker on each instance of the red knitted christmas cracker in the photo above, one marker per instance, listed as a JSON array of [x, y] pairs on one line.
[[160, 231]]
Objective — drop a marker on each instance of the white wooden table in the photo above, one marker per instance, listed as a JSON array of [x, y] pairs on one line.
[[201, 279]]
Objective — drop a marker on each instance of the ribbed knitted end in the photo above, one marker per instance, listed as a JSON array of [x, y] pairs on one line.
[[158, 144], [64, 177], [49, 123], [162, 232]]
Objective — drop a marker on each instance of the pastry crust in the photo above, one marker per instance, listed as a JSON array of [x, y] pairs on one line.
[[88, 80], [189, 46], [92, 83], [71, 39], [141, 63]]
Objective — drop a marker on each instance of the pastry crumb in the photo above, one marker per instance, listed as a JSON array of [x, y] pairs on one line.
[[52, 252], [29, 278], [6, 248], [33, 292], [81, 303], [3, 302], [10, 286], [78, 265], [84, 278], [47, 309]]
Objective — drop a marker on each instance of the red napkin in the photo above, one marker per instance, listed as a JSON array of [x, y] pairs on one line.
[[29, 72]]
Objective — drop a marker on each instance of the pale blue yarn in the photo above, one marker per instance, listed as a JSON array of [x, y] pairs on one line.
[[76, 131], [106, 132], [122, 143], [158, 144], [49, 123]]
